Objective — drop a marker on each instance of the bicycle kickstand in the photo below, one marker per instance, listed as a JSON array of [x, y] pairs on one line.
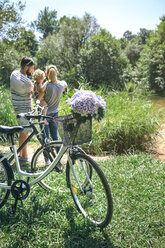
[[12, 208]]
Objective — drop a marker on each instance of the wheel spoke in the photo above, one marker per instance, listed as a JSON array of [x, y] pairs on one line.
[[40, 163], [90, 190]]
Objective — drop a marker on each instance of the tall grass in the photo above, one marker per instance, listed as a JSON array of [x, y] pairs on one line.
[[131, 123], [7, 115]]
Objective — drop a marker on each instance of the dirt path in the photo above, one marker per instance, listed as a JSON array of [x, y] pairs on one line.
[[32, 148], [159, 149]]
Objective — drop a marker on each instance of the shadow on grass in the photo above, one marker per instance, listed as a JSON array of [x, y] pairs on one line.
[[32, 210], [38, 217], [84, 234]]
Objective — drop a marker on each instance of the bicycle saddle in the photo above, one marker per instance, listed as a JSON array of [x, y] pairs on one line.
[[10, 130]]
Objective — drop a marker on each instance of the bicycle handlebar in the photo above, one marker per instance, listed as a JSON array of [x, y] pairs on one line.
[[29, 116]]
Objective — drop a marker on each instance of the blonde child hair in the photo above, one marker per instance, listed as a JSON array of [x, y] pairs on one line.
[[38, 75], [39, 88]]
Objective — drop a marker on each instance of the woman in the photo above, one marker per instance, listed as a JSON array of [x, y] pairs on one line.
[[52, 97]]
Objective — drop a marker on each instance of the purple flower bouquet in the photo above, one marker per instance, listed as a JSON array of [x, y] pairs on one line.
[[86, 104]]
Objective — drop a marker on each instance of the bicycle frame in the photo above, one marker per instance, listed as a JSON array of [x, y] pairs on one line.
[[37, 176], [35, 132]]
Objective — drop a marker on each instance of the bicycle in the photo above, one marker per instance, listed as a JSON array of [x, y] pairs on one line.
[[50, 147], [86, 181]]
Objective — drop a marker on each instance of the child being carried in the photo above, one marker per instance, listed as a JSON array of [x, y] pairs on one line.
[[39, 88]]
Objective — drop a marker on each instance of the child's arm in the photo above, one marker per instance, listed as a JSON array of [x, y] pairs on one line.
[[44, 85], [41, 95], [41, 90], [45, 110]]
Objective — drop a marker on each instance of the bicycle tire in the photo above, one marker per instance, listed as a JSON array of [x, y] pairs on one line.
[[38, 164], [96, 204], [4, 178]]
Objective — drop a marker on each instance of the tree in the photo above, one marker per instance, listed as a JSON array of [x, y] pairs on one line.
[[10, 18], [26, 42], [9, 60], [150, 69], [47, 22], [63, 48], [161, 29], [102, 61], [10, 25], [143, 35], [128, 35], [132, 52]]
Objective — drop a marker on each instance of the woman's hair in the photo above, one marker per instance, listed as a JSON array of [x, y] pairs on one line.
[[27, 61], [52, 73], [38, 74]]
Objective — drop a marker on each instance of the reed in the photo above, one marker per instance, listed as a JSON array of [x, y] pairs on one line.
[[131, 123], [7, 115]]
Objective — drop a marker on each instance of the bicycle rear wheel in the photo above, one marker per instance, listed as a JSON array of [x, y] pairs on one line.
[[4, 178], [90, 190], [41, 160]]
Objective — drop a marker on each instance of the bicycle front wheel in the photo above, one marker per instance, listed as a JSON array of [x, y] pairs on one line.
[[90, 190], [41, 160], [4, 178]]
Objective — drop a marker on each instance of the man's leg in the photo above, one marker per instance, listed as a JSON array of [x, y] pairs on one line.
[[22, 138]]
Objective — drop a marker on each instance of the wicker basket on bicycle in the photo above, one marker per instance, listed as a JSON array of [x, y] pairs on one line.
[[72, 131]]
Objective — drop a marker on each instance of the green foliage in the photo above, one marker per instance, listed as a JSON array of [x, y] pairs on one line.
[[150, 70], [10, 20], [50, 219], [143, 35], [15, 41], [161, 29], [102, 61], [7, 115], [80, 49], [47, 22], [9, 61], [26, 43], [63, 48], [128, 36], [132, 52]]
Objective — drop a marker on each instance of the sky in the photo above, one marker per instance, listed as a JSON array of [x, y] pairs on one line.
[[116, 16]]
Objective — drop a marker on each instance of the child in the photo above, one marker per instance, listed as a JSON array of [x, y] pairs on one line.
[[39, 88]]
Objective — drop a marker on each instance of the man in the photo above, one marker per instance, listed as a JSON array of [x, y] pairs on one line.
[[21, 92]]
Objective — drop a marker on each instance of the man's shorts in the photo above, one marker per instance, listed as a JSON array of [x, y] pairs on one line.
[[23, 122]]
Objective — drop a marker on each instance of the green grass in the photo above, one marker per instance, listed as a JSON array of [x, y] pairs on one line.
[[51, 219]]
